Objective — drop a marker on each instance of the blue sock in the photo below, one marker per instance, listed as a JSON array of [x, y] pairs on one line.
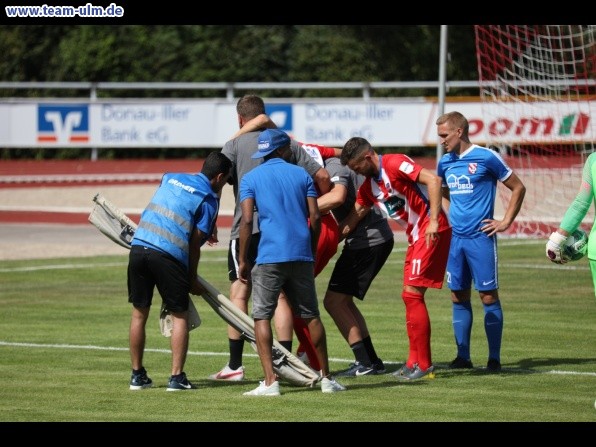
[[493, 325], [462, 328]]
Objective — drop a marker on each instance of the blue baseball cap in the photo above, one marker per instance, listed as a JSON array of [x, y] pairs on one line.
[[269, 140]]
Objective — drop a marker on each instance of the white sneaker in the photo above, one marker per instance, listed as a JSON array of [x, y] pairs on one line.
[[227, 373], [330, 385], [264, 390]]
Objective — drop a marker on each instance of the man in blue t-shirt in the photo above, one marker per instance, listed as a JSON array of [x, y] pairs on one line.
[[240, 150], [165, 252], [285, 199], [470, 174]]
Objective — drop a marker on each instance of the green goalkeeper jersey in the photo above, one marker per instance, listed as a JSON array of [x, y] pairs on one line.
[[582, 203]]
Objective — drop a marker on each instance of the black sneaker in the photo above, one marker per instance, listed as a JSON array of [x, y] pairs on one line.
[[357, 369], [180, 383], [379, 366], [140, 381], [460, 363], [493, 365]]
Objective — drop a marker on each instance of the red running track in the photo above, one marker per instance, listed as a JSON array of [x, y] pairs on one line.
[[74, 173]]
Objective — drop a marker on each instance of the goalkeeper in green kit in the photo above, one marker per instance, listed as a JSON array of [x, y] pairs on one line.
[[573, 218]]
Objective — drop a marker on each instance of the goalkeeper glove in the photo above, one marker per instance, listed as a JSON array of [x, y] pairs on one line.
[[554, 248]]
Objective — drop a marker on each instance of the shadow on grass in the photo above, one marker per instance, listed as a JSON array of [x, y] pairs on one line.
[[553, 362], [442, 371], [523, 366]]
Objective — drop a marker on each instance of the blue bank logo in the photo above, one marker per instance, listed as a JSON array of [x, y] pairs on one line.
[[281, 115], [63, 123]]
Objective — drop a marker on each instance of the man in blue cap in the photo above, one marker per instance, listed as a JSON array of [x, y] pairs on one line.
[[286, 200]]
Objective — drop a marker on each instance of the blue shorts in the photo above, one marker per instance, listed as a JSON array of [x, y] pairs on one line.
[[473, 258]]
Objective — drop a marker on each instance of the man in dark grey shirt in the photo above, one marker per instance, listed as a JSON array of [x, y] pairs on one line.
[[240, 150], [364, 253]]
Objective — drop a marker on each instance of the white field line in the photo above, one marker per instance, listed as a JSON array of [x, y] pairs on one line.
[[391, 261], [79, 209], [222, 354]]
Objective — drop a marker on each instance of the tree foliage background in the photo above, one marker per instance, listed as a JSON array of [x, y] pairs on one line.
[[230, 53]]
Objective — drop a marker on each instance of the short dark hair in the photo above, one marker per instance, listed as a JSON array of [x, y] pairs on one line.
[[353, 148], [250, 106], [216, 163]]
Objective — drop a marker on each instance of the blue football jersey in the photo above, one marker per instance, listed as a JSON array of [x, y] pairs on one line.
[[472, 180]]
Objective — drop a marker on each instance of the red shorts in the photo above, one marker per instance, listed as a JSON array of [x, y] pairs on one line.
[[425, 266], [328, 242]]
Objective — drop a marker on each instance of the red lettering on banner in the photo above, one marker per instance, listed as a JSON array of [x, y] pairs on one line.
[[475, 127], [582, 124], [500, 127], [533, 124], [527, 126]]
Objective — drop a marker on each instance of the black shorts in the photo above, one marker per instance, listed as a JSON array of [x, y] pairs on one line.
[[233, 252], [355, 270], [147, 269]]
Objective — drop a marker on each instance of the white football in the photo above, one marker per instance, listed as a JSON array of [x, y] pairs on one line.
[[576, 245]]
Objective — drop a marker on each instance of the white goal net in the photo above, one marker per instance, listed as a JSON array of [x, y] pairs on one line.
[[538, 91]]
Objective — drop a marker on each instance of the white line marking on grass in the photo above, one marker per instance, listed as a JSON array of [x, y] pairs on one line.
[[389, 261], [573, 373], [545, 266], [112, 348], [61, 267], [82, 265], [219, 354], [507, 242], [106, 348], [514, 241]]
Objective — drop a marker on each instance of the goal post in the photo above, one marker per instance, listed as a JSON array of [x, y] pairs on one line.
[[538, 91]]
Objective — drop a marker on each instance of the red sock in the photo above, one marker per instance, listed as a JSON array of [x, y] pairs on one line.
[[306, 344], [418, 326], [413, 353]]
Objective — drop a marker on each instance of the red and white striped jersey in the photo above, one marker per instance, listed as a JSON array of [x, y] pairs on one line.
[[399, 196]]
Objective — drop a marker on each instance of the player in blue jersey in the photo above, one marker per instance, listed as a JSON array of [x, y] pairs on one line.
[[165, 252], [470, 174]]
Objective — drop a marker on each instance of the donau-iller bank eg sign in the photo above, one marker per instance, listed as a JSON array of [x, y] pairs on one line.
[[210, 123]]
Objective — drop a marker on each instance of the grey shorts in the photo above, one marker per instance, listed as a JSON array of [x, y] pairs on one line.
[[296, 279]]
